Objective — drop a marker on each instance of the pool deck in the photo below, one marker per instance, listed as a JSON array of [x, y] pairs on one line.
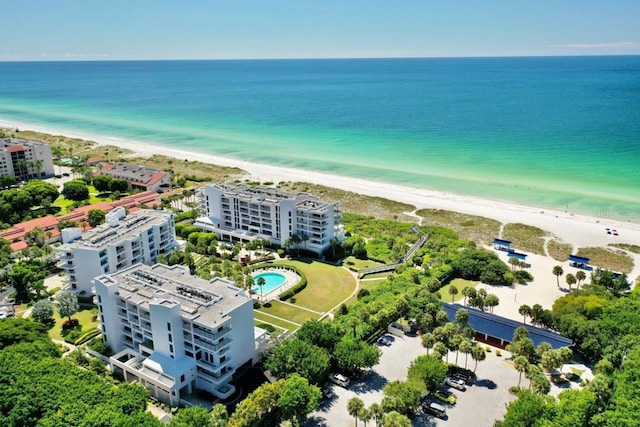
[[291, 279]]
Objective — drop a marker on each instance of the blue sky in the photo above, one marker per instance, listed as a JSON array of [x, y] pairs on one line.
[[212, 29]]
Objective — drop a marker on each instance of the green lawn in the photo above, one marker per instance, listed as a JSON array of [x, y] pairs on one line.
[[84, 316], [366, 284], [359, 264], [67, 205], [327, 285], [263, 318], [459, 284], [288, 311]]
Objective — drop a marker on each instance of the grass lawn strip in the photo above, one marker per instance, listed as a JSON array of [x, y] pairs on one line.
[[84, 316], [280, 323], [460, 284], [327, 285], [289, 312], [259, 323]]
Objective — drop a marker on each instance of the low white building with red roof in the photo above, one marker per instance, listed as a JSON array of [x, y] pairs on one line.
[[139, 177]]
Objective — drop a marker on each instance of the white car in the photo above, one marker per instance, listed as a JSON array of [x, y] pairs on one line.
[[456, 383], [339, 379]]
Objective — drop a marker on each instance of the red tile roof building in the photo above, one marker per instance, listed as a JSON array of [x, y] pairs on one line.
[[49, 223], [140, 177]]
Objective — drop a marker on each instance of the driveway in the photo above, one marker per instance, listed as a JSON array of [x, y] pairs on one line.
[[479, 406]]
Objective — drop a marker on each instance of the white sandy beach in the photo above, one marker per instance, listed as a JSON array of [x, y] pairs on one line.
[[579, 230]]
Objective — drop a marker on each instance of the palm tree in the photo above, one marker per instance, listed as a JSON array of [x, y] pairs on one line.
[[580, 276], [288, 242], [354, 406], [466, 347], [261, 282], [296, 240], [557, 271], [334, 243], [571, 280], [453, 291], [365, 415], [514, 262], [521, 364], [428, 341], [536, 313], [376, 412], [468, 291], [492, 301], [524, 311], [478, 354]]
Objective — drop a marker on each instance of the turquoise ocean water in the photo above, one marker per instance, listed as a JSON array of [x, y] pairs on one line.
[[553, 132]]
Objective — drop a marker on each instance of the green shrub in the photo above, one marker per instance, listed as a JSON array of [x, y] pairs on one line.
[[98, 346], [267, 327], [281, 253], [91, 333]]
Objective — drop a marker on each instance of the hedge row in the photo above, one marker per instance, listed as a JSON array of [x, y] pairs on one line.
[[92, 333]]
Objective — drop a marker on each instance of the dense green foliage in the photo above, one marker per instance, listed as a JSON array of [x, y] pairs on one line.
[[16, 204], [96, 217], [40, 388], [299, 357], [75, 190], [270, 404]]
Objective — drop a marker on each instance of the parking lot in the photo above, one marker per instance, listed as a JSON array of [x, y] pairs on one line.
[[479, 406]]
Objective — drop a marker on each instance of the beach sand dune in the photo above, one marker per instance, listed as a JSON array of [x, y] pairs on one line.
[[579, 230]]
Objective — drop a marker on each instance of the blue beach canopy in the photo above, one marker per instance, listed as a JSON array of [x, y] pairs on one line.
[[517, 255], [501, 242], [578, 259]]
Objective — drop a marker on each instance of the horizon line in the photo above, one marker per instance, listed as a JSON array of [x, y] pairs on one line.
[[106, 59]]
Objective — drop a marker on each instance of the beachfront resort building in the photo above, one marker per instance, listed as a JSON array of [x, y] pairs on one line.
[[242, 213], [124, 240], [139, 177], [173, 332], [25, 159]]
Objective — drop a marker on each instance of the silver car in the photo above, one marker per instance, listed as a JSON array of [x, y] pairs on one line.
[[456, 383]]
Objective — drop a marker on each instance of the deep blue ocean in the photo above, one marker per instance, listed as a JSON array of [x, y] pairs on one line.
[[557, 132]]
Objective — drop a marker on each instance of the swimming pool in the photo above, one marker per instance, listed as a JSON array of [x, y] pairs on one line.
[[272, 282]]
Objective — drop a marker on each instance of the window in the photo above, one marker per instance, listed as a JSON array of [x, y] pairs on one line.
[[182, 378], [171, 348], [168, 326]]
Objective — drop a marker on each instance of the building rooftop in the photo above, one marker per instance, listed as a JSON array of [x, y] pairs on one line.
[[11, 143], [503, 328], [304, 201], [135, 173], [123, 229], [207, 301]]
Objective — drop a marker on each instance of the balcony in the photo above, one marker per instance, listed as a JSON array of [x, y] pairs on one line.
[[224, 344]]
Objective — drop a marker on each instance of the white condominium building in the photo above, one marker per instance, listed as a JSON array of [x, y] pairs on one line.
[[173, 332], [123, 241], [25, 159], [241, 213]]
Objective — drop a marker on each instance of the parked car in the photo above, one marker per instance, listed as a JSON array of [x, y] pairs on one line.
[[434, 408], [327, 393], [456, 383], [339, 379], [468, 379], [386, 340], [445, 396]]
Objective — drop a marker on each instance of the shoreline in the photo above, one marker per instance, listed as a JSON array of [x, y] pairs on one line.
[[577, 229]]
